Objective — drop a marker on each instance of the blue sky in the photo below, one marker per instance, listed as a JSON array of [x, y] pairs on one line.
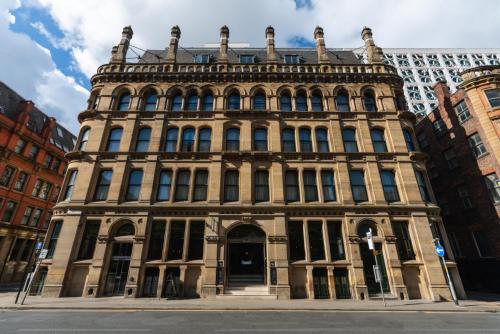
[[52, 47]]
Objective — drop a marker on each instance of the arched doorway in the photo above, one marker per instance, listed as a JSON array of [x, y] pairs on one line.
[[121, 250], [369, 259], [246, 255]]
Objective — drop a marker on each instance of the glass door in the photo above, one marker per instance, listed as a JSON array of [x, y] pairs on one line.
[[118, 269], [368, 263]]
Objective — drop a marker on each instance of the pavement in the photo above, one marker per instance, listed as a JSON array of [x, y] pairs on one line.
[[242, 304]]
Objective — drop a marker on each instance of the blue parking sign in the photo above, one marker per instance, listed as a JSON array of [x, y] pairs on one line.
[[39, 245], [440, 250]]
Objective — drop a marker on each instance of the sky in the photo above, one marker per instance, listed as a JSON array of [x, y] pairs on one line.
[[51, 48]]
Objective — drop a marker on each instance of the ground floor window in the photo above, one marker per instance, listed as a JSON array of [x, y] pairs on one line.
[[150, 282], [342, 287], [320, 282], [39, 282], [171, 283]]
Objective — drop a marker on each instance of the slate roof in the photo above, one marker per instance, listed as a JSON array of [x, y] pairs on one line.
[[9, 101], [308, 55]]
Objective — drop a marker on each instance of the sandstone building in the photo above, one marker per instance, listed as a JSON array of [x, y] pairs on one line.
[[202, 172]]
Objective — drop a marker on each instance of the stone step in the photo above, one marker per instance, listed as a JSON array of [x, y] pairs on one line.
[[246, 297]]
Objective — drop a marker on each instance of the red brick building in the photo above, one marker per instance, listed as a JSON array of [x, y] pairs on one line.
[[32, 165], [461, 137]]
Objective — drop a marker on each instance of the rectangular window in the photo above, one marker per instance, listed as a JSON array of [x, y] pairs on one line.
[[134, 185], [45, 190], [451, 159], [55, 195], [37, 214], [316, 243], [9, 211], [46, 222], [6, 177], [247, 59], [422, 186], [292, 186], [296, 240], [89, 240], [182, 185], [21, 144], [391, 193], [403, 241], [164, 185], [33, 152], [103, 183], [71, 185], [462, 112], [292, 59], [231, 186], [56, 230], [47, 160], [22, 177], [176, 242], [261, 186], [56, 165], [358, 187], [464, 195], [28, 249], [335, 238], [310, 186], [260, 139], [200, 185], [476, 145], [439, 127], [156, 240], [493, 96], [27, 215], [493, 185], [14, 253], [196, 240], [342, 286], [328, 185], [202, 59], [482, 244]]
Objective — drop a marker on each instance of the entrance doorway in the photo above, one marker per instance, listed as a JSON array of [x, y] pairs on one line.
[[246, 255], [118, 269], [368, 263]]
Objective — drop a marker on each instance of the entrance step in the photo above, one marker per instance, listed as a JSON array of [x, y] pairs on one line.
[[248, 279], [247, 291]]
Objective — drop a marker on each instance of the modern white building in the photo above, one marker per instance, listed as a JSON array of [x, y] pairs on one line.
[[421, 68]]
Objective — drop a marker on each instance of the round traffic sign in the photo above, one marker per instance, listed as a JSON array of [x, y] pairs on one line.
[[439, 250]]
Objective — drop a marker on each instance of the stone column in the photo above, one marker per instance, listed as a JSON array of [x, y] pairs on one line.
[[131, 287], [278, 253], [310, 282]]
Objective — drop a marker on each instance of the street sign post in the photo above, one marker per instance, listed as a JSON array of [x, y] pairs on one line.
[[41, 257], [440, 252], [376, 269]]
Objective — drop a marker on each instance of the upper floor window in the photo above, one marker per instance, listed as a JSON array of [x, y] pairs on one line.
[[204, 139], [150, 101], [462, 112], [71, 185], [234, 101], [439, 127], [207, 103], [349, 138], [202, 59], [482, 244], [322, 140], [369, 101], [84, 139], [305, 140], [182, 185], [200, 185], [187, 144], [378, 139], [403, 241], [89, 240], [493, 185], [342, 101], [422, 186], [317, 102], [192, 102], [285, 102], [8, 213], [292, 59], [451, 159], [164, 185], [177, 102], [464, 195], [233, 139], [124, 102], [260, 139], [261, 186], [134, 185], [143, 138], [292, 192], [114, 139], [21, 144], [289, 140], [301, 101], [409, 140], [247, 59], [103, 183], [493, 96], [400, 102], [310, 186], [171, 142], [33, 154], [231, 186], [358, 186], [6, 177], [328, 185], [259, 101], [477, 146], [22, 177], [391, 193]]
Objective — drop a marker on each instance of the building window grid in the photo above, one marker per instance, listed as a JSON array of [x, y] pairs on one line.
[[462, 112], [477, 146]]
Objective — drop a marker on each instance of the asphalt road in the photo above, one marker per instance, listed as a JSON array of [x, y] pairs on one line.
[[245, 322]]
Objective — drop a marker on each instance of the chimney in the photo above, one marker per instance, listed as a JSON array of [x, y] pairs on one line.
[[320, 45], [375, 54], [271, 54], [49, 125], [119, 52], [24, 109], [175, 34], [224, 40]]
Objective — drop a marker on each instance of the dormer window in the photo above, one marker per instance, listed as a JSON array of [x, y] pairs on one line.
[[247, 59], [292, 59], [202, 59]]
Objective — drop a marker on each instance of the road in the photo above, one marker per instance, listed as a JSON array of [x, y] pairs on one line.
[[227, 322]]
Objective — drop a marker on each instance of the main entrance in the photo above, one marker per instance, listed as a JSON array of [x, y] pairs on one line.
[[118, 269], [246, 254]]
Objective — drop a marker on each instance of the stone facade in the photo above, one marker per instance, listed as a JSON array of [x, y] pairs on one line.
[[284, 194]]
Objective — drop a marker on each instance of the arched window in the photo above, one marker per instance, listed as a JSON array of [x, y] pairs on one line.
[[365, 227], [124, 102], [84, 138], [259, 101], [305, 140], [285, 102], [171, 142], [289, 140], [114, 140], [349, 138], [233, 101], [260, 139], [301, 101], [94, 100], [317, 102], [187, 140], [342, 101], [177, 102], [409, 140], [150, 101], [134, 185], [233, 139], [143, 138], [207, 102], [192, 102], [378, 139], [369, 101], [322, 140], [126, 229], [204, 139]]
